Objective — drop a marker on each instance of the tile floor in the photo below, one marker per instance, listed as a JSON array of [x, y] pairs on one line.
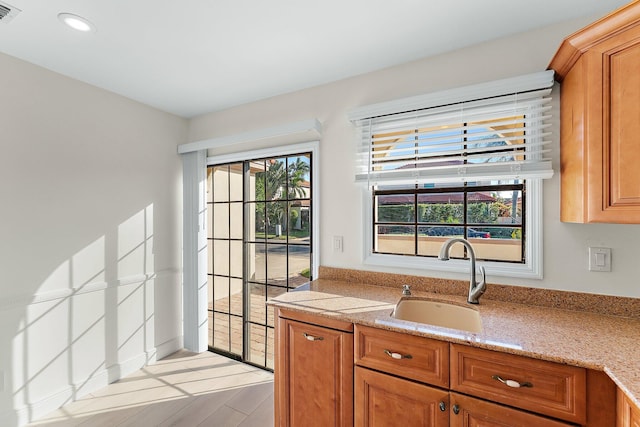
[[184, 389]]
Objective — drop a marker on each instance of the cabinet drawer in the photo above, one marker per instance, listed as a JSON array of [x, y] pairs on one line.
[[408, 356], [547, 388]]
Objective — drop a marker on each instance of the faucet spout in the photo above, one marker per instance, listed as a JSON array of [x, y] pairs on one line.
[[476, 289]]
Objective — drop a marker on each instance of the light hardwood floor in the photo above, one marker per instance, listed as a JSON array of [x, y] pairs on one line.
[[184, 389]]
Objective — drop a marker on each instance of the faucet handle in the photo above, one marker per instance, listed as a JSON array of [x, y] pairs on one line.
[[406, 290]]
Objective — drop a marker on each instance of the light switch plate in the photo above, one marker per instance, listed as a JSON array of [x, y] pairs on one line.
[[337, 243], [599, 259]]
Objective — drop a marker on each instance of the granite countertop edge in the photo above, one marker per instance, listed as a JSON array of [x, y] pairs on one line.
[[583, 339]]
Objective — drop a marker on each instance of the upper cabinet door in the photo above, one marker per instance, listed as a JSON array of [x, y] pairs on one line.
[[599, 69], [622, 73]]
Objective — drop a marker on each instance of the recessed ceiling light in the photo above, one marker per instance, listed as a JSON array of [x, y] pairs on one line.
[[76, 22]]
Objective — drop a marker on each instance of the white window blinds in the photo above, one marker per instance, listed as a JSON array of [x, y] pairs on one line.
[[499, 137]]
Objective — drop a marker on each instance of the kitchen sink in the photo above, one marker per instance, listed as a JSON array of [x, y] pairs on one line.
[[438, 313]]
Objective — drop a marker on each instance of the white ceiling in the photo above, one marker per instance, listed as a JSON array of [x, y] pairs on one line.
[[191, 57]]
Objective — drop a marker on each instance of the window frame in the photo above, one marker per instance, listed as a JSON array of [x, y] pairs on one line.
[[530, 269]]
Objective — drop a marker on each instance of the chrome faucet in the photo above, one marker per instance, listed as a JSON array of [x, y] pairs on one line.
[[475, 289]]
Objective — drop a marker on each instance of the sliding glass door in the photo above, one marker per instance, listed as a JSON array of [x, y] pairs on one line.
[[260, 240]]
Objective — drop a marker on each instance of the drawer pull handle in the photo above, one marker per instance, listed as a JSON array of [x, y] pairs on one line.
[[311, 337], [397, 355], [512, 383]]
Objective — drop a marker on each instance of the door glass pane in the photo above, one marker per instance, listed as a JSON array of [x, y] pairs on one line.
[[221, 294], [257, 306], [276, 220], [221, 257], [259, 241], [235, 182], [235, 258], [277, 264], [236, 304], [257, 220], [221, 331], [257, 344], [220, 183], [256, 260], [299, 265], [235, 220], [220, 220], [298, 224], [299, 182], [272, 292], [236, 335]]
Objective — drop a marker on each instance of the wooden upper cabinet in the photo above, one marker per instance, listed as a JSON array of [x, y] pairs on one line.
[[599, 69]]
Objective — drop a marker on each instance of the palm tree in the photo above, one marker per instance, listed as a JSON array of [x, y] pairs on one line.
[[278, 181], [297, 173]]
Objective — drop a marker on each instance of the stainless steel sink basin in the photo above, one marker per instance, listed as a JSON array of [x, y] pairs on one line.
[[438, 313]]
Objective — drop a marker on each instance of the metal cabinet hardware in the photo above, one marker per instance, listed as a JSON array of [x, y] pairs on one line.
[[311, 337], [512, 383], [397, 355]]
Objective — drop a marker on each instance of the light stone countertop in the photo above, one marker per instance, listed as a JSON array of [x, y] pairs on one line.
[[579, 338]]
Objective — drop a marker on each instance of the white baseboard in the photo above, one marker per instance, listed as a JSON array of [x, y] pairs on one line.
[[35, 410]]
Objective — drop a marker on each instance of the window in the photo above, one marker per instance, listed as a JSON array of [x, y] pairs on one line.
[[417, 221], [470, 168]]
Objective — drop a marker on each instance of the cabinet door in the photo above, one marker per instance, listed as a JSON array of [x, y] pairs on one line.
[[628, 413], [468, 412], [600, 120], [619, 62], [383, 400], [313, 375]]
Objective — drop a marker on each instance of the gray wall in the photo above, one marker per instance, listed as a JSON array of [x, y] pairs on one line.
[[565, 245], [90, 230]]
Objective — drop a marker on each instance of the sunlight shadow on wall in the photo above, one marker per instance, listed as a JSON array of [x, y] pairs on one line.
[[90, 322]]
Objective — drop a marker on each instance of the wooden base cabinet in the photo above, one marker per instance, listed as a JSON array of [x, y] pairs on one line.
[[330, 373], [467, 411], [313, 375], [383, 400], [599, 121], [628, 413]]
